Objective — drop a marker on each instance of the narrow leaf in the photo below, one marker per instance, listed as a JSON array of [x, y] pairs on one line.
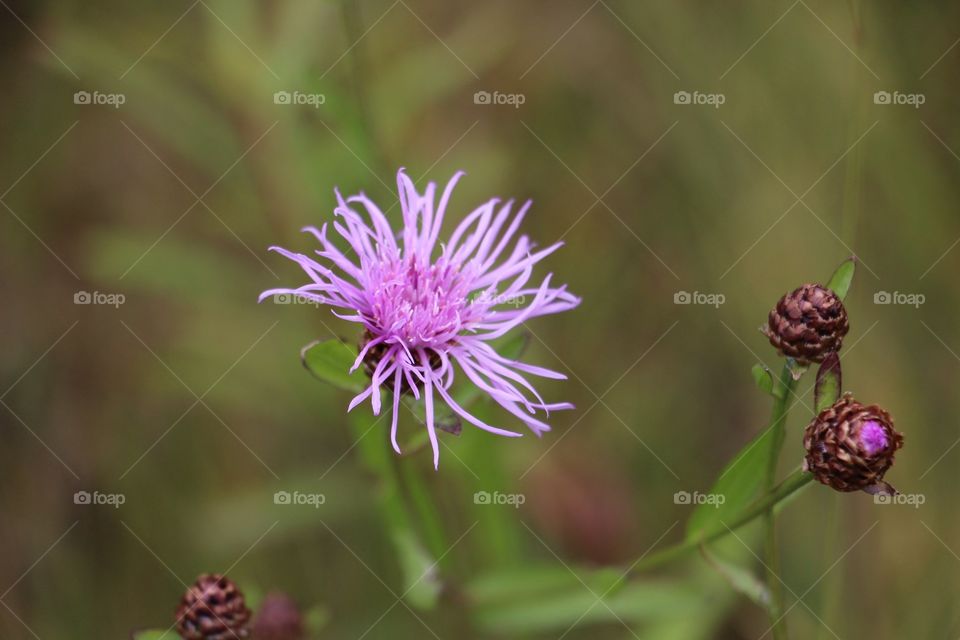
[[742, 580], [840, 280], [565, 601], [763, 378], [736, 487], [330, 361], [829, 382], [153, 634], [421, 579]]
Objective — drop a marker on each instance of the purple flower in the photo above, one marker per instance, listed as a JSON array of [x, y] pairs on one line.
[[426, 305], [873, 437]]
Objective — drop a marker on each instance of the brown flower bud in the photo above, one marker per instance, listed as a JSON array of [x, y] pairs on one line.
[[212, 609], [851, 446], [278, 619], [807, 324]]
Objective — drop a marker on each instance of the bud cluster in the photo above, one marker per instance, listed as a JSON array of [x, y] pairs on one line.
[[849, 445]]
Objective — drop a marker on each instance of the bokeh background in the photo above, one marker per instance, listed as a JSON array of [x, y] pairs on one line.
[[188, 399]]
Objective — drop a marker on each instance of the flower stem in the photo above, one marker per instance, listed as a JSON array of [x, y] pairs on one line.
[[778, 422], [793, 483]]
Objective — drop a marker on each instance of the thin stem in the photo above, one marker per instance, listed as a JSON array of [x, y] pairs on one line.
[[793, 483], [778, 422]]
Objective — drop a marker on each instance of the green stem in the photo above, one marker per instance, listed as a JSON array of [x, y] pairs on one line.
[[421, 503], [793, 483], [778, 423]]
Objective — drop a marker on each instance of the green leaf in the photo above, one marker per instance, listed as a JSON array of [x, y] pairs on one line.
[[840, 280], [155, 634], [330, 361], [763, 378], [829, 382], [493, 588], [554, 599], [742, 580], [421, 580], [739, 484]]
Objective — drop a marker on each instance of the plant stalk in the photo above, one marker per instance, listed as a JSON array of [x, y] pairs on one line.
[[793, 483], [778, 423]]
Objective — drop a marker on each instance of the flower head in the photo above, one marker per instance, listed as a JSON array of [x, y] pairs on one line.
[[425, 304], [213, 608], [807, 324], [850, 446]]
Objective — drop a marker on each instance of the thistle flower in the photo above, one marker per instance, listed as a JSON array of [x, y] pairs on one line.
[[426, 305], [807, 324], [851, 446]]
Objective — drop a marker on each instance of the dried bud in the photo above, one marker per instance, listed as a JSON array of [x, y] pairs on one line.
[[851, 446], [278, 619], [212, 609], [807, 324]]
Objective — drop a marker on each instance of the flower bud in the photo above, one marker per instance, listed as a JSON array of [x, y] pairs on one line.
[[279, 618], [851, 446], [213, 609], [807, 324]]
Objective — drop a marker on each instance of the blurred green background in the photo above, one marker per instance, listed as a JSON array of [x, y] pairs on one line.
[[189, 399]]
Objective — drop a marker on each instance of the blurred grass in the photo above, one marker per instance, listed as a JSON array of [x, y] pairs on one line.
[[597, 100]]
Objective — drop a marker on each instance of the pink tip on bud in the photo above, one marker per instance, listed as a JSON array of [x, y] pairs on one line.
[[873, 437]]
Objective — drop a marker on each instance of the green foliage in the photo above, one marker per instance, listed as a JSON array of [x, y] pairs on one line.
[[421, 581], [330, 361], [829, 383], [552, 599], [743, 581], [763, 379], [840, 281], [739, 484]]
